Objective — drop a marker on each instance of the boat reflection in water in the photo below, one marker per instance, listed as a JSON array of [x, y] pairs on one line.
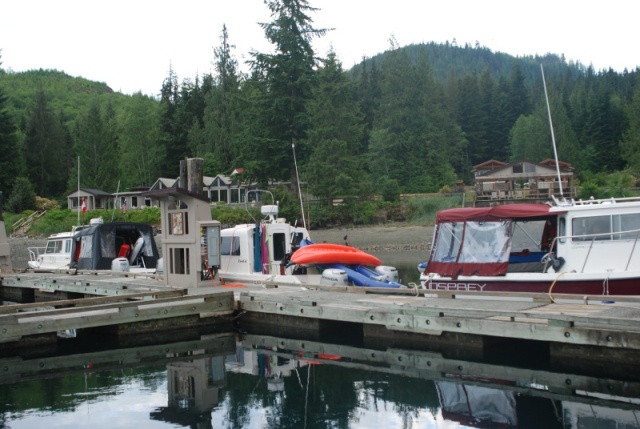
[[256, 381]]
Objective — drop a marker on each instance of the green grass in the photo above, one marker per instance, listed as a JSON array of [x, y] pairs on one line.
[[425, 207]]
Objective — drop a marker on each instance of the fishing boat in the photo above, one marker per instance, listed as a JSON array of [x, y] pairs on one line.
[[117, 246], [577, 247], [56, 254], [273, 250]]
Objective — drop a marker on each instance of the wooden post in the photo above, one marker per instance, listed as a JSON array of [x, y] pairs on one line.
[[195, 168]]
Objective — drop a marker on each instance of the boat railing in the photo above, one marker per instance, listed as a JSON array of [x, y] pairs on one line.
[[611, 200], [35, 252], [602, 237]]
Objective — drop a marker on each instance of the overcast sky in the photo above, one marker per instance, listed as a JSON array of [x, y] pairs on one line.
[[130, 45]]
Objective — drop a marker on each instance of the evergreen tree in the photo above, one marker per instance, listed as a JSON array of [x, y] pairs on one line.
[[631, 138], [10, 156], [141, 156], [289, 74], [169, 133], [43, 140], [222, 113], [334, 137]]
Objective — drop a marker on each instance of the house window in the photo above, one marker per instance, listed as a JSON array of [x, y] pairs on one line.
[[134, 201], [235, 197], [517, 168], [223, 195], [243, 195], [179, 260]]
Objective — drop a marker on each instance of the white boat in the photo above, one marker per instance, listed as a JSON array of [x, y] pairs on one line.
[[56, 255], [117, 246], [261, 252], [584, 247]]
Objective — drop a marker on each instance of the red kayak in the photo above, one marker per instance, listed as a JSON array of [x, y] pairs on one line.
[[328, 253]]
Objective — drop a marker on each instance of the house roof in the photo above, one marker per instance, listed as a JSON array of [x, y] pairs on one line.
[[492, 163], [173, 192]]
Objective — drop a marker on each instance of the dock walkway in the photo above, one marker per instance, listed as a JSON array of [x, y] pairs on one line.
[[565, 319]]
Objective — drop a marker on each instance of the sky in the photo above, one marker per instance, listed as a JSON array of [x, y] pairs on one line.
[[131, 45]]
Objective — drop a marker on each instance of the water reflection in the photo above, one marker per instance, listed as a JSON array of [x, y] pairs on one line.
[[257, 381]]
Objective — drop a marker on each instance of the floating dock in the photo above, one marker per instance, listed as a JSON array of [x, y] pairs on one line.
[[117, 304], [608, 326]]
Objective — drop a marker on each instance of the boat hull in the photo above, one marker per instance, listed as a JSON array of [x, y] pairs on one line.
[[569, 283]]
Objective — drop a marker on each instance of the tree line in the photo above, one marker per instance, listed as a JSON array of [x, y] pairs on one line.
[[412, 119]]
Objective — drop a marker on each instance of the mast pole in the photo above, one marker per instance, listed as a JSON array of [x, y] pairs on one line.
[[295, 162], [79, 208], [553, 139]]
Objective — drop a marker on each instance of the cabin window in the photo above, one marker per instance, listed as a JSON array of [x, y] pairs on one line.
[[134, 201], [592, 228], [54, 246], [179, 260], [628, 225], [279, 246], [230, 246], [86, 246], [486, 242], [448, 241], [562, 229]]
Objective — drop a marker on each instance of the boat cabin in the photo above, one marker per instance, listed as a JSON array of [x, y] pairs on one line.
[[95, 247], [263, 247], [583, 237]]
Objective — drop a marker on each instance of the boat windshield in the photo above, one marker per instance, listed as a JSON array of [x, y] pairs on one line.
[[54, 246], [473, 242]]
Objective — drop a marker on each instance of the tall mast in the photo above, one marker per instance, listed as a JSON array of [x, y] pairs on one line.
[[553, 139]]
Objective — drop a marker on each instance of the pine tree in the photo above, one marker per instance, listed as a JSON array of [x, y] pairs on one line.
[[222, 113], [43, 138], [10, 156], [335, 136], [289, 74]]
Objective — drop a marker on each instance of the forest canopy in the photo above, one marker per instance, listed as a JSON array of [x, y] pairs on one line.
[[413, 119]]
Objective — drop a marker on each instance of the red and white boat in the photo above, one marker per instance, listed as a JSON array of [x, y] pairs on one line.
[[584, 247]]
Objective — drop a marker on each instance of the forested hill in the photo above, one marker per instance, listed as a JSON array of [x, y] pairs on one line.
[[412, 119], [449, 60]]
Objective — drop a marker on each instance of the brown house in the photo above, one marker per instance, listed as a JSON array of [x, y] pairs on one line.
[[497, 182]]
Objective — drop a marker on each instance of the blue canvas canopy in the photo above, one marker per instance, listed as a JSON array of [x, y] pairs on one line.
[[95, 248]]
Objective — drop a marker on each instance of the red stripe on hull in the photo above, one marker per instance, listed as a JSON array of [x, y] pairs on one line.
[[594, 287]]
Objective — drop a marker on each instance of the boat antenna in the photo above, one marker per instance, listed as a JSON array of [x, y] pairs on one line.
[[115, 202], [553, 139], [78, 191], [256, 191], [295, 163]]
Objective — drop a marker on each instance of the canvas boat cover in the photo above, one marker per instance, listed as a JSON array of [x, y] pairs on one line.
[[477, 241], [94, 248]]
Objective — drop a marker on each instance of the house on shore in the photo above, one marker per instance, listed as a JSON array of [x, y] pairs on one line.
[[498, 182]]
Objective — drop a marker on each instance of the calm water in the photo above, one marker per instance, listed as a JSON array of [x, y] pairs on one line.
[[246, 380]]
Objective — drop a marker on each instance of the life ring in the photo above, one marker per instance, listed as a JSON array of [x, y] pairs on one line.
[[137, 249]]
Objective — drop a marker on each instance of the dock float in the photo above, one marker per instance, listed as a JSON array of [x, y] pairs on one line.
[[60, 303], [564, 319]]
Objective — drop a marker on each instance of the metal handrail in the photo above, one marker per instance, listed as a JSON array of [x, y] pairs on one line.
[[591, 238]]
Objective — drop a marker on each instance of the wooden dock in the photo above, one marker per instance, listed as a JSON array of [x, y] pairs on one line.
[[137, 304], [565, 320], [127, 304]]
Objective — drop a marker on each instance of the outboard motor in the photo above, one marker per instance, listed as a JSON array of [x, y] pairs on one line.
[[334, 277], [388, 273], [120, 264]]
